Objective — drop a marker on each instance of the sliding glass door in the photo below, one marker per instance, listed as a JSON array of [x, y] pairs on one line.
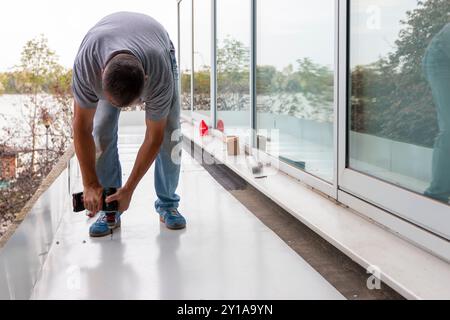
[[185, 55], [295, 87], [397, 100], [202, 60], [350, 97], [233, 65]]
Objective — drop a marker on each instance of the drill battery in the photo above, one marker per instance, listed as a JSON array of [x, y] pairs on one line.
[[109, 208]]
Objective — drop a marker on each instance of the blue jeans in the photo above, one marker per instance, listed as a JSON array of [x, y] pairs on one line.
[[436, 66], [167, 163]]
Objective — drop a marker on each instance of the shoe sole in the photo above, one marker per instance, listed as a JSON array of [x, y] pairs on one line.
[[104, 234], [171, 228]]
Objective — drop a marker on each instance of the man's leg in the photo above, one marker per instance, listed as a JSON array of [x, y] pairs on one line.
[[168, 164], [106, 127], [108, 168], [438, 75]]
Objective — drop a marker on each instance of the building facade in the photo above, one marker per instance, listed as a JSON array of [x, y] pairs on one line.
[[8, 164]]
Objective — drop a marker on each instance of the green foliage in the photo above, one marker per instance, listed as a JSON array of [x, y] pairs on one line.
[[232, 57], [3, 80], [202, 81], [9, 83], [233, 62], [186, 83], [312, 80], [43, 131], [264, 79], [38, 65], [391, 97], [61, 84], [46, 85], [37, 72]]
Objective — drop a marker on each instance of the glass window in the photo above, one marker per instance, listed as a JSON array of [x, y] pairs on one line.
[[186, 55], [400, 93], [295, 82], [202, 58], [233, 64]]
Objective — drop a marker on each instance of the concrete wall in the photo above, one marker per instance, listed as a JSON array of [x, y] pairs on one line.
[[22, 257]]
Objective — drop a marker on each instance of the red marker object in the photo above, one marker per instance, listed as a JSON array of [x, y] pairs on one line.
[[203, 129], [220, 126]]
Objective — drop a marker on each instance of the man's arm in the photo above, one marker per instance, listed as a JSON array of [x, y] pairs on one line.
[[154, 137], [85, 151]]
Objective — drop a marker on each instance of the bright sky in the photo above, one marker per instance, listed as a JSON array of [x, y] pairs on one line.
[[288, 29], [65, 23]]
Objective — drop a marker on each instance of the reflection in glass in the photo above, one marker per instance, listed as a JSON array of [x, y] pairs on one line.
[[202, 58], [437, 71], [295, 81], [400, 84], [233, 63], [185, 55]]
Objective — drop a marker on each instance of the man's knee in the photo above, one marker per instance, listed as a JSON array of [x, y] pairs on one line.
[[105, 125], [104, 137], [172, 143]]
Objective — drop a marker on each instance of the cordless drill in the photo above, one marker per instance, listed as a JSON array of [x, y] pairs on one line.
[[110, 209]]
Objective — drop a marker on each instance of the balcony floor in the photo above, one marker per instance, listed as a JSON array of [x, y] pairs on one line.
[[225, 253]]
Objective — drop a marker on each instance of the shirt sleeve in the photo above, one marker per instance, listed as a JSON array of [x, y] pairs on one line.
[[161, 89], [82, 90]]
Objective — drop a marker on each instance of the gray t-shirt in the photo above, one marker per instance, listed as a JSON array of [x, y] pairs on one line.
[[138, 34]]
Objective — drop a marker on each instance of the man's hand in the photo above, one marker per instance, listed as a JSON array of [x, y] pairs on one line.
[[85, 151], [93, 198], [123, 196]]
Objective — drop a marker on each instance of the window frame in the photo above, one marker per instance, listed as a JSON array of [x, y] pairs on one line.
[[179, 4], [329, 188], [393, 199]]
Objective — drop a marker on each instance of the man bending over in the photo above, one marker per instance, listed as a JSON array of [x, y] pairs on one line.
[[125, 59]]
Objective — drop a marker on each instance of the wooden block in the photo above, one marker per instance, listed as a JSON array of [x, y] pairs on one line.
[[233, 145]]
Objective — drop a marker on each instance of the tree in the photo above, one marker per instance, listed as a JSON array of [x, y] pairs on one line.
[[264, 78], [233, 75], [232, 57], [44, 132], [38, 66], [3, 79], [394, 87]]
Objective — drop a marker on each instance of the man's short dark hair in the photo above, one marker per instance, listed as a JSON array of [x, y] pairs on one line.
[[123, 79]]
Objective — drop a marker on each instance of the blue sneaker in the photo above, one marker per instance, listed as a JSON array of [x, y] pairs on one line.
[[172, 218], [104, 224]]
